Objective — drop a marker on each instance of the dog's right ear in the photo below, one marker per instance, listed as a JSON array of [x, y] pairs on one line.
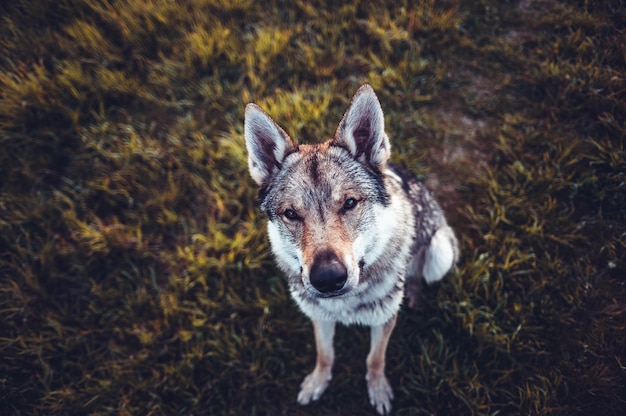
[[267, 144]]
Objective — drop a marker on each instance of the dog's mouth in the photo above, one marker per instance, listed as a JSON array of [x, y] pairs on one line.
[[330, 295]]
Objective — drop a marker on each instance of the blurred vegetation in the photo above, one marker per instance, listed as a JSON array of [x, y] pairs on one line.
[[135, 275]]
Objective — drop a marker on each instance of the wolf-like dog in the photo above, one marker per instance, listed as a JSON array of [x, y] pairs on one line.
[[349, 230]]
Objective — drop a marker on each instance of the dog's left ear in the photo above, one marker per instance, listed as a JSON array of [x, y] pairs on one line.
[[362, 129]]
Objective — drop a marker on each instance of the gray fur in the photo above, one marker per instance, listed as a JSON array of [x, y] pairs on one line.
[[341, 214]]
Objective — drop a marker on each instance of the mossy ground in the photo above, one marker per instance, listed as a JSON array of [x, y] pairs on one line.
[[135, 275]]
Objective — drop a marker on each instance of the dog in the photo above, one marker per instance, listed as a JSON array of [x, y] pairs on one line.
[[349, 229]]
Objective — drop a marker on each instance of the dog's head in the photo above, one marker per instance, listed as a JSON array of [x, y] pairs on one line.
[[325, 203]]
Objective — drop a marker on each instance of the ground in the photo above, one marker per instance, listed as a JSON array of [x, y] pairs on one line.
[[135, 273]]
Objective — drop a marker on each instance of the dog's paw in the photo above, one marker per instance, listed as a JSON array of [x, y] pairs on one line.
[[380, 392], [313, 386]]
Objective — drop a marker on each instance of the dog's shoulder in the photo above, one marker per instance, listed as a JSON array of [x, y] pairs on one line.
[[414, 188], [428, 214]]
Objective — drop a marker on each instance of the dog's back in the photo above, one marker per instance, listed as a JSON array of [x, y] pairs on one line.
[[430, 229]]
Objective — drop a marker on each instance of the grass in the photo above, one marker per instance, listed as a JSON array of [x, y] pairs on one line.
[[135, 274]]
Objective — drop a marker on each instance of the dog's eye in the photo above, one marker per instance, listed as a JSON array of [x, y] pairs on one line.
[[349, 204], [290, 214]]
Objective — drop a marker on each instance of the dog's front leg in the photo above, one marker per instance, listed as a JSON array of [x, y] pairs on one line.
[[315, 383], [377, 385]]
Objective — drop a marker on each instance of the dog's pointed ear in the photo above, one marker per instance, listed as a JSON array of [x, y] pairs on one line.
[[266, 142], [362, 129]]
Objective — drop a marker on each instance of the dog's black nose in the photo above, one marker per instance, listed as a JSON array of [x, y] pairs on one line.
[[328, 274]]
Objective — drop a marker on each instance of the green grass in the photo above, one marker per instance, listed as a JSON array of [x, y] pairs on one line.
[[135, 274]]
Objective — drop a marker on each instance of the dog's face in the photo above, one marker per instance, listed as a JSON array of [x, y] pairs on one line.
[[324, 202], [322, 214]]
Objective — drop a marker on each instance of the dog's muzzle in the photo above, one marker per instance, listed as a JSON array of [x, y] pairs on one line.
[[328, 274]]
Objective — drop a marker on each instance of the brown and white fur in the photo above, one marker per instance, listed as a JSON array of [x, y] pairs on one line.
[[350, 231]]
